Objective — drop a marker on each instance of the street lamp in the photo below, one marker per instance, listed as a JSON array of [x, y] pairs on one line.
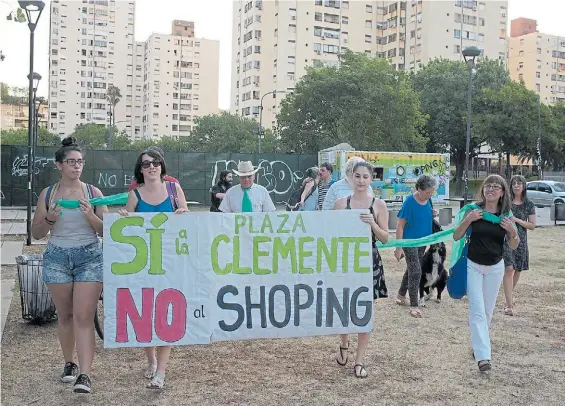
[[35, 78], [33, 10], [470, 54], [109, 130], [273, 92]]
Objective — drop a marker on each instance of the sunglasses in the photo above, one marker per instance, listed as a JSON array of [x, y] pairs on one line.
[[73, 162], [146, 164]]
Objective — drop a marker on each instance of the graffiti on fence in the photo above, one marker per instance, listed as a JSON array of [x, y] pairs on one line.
[[105, 180], [276, 176], [20, 165]]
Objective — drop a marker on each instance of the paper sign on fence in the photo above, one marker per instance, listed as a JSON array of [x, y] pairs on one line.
[[195, 278]]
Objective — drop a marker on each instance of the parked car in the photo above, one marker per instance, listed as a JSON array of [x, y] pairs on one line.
[[545, 193]]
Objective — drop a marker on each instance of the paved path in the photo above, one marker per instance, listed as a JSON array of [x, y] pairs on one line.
[[10, 250], [6, 301]]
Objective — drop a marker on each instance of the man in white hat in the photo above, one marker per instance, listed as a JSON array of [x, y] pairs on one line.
[[247, 197]]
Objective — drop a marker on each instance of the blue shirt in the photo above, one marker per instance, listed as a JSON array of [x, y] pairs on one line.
[[418, 218], [166, 206]]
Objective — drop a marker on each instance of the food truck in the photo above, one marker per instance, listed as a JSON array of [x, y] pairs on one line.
[[395, 173]]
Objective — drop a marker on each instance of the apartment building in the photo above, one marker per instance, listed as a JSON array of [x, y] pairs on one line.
[[16, 116], [537, 59], [91, 46], [275, 41], [180, 81]]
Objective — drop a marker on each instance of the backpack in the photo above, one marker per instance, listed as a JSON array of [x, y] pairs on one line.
[[294, 199], [172, 192], [52, 191]]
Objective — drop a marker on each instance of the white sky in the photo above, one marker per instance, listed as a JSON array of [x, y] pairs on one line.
[[212, 20]]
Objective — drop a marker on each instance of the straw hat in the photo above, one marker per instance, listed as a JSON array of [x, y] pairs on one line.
[[245, 168]]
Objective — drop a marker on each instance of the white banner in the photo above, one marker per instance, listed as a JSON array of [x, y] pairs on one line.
[[195, 278]]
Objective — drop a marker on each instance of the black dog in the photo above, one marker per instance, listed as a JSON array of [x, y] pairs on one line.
[[434, 274]]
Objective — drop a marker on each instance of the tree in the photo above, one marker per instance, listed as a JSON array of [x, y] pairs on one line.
[[90, 136], [508, 120], [13, 95], [113, 95], [552, 138], [20, 137], [365, 102], [443, 86], [228, 132]]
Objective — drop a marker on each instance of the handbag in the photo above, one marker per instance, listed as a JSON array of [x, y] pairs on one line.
[[457, 281]]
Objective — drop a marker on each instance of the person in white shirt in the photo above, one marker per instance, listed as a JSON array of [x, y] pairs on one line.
[[247, 197], [344, 187]]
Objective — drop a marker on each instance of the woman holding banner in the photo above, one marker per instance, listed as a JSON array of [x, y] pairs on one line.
[[72, 262], [154, 194], [377, 218]]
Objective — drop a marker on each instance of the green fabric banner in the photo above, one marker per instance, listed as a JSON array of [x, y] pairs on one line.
[[119, 199]]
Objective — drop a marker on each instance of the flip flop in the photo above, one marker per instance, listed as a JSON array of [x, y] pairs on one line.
[[401, 301], [509, 311], [415, 312]]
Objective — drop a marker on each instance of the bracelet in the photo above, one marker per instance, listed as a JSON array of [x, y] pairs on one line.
[[50, 222]]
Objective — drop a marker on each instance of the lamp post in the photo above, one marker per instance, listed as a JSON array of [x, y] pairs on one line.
[[273, 92], [470, 54], [33, 10], [109, 129], [35, 77], [540, 164]]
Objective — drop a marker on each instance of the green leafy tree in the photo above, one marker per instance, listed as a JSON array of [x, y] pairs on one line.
[[365, 102], [90, 136], [20, 137], [508, 120], [228, 132], [443, 86]]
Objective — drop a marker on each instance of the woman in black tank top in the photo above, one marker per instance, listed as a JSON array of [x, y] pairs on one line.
[[377, 218]]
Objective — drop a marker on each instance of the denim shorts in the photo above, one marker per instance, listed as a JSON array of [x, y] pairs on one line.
[[76, 264]]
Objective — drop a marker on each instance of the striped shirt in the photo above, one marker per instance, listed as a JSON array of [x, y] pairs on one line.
[[322, 191]]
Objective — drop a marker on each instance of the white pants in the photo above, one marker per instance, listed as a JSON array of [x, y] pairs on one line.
[[483, 284]]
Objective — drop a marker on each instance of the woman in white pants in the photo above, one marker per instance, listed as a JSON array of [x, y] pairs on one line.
[[485, 266]]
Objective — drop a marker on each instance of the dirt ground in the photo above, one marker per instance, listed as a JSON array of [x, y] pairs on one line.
[[410, 361]]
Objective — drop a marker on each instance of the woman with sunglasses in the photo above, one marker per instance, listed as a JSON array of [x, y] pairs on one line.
[[516, 261], [153, 196], [72, 262], [485, 266]]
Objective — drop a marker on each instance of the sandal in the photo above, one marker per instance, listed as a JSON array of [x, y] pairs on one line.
[[509, 311], [484, 366], [362, 371], [400, 300], [341, 356], [150, 371], [158, 382], [415, 312]]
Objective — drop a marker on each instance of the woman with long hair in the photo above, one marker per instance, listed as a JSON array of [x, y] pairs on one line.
[[309, 196], [72, 262], [485, 264], [154, 194], [516, 261], [414, 221], [377, 218]]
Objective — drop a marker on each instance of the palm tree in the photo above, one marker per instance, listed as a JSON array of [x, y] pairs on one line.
[[113, 96]]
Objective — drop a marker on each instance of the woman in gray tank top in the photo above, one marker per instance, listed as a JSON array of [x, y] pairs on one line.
[[72, 262]]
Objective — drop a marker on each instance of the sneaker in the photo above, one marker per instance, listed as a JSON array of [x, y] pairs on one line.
[[70, 372], [82, 384]]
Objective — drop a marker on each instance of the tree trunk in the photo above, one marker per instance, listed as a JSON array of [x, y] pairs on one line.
[[459, 169], [508, 167]]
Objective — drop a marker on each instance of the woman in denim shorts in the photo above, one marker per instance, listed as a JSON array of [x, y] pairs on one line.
[[72, 262]]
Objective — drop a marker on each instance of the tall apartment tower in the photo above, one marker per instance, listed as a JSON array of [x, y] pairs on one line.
[[275, 41], [91, 46], [180, 81], [537, 59]]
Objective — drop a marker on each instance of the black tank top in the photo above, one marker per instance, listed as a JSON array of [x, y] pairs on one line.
[[348, 207]]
